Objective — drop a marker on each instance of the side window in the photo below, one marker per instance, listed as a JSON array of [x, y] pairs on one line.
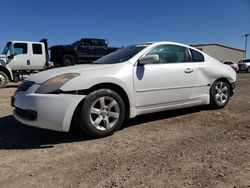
[[101, 43], [197, 56], [95, 43], [20, 48], [87, 42], [37, 48], [171, 54]]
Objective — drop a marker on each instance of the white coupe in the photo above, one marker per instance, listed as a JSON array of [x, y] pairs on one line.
[[138, 79]]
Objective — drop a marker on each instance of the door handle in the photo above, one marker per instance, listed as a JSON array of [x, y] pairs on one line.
[[188, 70], [28, 62]]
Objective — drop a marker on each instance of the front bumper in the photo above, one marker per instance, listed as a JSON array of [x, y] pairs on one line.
[[49, 111]]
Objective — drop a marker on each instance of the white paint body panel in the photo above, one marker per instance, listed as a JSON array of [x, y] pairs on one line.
[[150, 88], [54, 111], [36, 61]]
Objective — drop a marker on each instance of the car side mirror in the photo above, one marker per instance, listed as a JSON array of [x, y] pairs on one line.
[[149, 59], [11, 56], [11, 52]]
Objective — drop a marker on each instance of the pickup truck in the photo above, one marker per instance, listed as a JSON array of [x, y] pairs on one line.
[[85, 50], [22, 58]]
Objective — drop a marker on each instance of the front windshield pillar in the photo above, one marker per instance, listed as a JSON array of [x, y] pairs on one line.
[[6, 48]]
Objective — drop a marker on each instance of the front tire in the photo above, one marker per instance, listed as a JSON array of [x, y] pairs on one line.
[[219, 94], [102, 113], [4, 80], [68, 60], [248, 69]]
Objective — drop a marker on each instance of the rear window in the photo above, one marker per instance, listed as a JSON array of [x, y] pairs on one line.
[[228, 62], [197, 56], [246, 60], [37, 48]]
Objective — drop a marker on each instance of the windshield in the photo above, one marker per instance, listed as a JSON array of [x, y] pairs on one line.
[[244, 61], [7, 47], [120, 55]]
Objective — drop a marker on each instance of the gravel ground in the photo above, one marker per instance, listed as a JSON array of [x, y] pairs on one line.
[[195, 147]]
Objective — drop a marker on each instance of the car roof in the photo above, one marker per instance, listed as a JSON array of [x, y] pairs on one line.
[[19, 41], [168, 42]]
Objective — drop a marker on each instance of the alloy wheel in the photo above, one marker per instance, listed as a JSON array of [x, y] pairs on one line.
[[104, 113], [221, 92]]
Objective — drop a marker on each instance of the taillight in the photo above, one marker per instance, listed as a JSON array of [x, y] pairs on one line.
[[234, 68]]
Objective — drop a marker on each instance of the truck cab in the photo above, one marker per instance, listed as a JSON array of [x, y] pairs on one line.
[[85, 50], [20, 58]]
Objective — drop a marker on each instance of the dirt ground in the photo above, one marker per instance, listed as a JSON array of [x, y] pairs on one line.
[[195, 147]]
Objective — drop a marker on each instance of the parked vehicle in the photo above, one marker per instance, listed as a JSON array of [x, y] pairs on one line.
[[135, 80], [244, 65], [22, 57], [234, 66], [85, 50]]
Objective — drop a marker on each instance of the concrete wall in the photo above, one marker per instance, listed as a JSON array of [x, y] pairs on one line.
[[221, 53]]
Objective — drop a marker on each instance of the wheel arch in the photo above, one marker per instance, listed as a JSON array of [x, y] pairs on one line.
[[58, 57], [69, 53], [118, 89], [231, 85], [7, 72]]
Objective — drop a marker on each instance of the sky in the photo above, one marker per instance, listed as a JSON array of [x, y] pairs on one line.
[[126, 22]]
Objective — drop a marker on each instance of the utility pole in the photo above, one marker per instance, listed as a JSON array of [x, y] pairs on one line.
[[245, 35]]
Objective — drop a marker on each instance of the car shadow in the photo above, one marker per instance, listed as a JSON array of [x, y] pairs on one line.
[[12, 86], [14, 135], [164, 115]]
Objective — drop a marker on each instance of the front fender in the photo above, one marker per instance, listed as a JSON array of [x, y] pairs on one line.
[[7, 71], [122, 76]]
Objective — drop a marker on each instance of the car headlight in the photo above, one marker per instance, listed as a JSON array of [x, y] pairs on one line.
[[54, 84]]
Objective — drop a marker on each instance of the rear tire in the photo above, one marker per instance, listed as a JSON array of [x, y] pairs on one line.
[[219, 94], [68, 60], [102, 113], [4, 80], [248, 69]]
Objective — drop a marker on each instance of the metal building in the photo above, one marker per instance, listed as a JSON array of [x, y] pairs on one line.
[[221, 52]]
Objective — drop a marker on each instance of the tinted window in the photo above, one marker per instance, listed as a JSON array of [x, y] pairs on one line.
[[246, 60], [93, 42], [228, 63], [171, 54], [20, 48], [37, 48], [87, 42], [120, 55], [99, 43], [197, 56]]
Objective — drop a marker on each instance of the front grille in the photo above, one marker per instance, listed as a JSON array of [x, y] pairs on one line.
[[24, 86], [26, 114]]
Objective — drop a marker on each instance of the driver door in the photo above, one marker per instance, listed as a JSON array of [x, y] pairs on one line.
[[168, 82], [21, 57]]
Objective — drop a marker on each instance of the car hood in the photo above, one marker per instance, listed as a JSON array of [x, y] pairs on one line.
[[43, 76]]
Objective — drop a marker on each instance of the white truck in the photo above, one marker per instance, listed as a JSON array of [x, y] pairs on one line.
[[22, 58]]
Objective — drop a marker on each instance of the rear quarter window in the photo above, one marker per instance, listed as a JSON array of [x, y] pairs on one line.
[[197, 56]]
